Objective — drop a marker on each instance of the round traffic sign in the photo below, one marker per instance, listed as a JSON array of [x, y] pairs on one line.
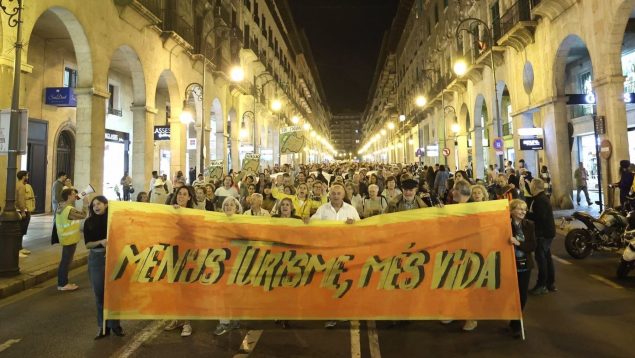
[[446, 152], [606, 149]]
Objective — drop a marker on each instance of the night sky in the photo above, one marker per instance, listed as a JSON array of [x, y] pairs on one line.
[[345, 38]]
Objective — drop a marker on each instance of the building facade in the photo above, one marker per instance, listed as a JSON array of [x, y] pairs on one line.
[[550, 66], [106, 83], [346, 134]]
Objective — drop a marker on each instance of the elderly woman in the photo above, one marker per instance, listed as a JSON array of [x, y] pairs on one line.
[[391, 190], [524, 241], [479, 193], [256, 206], [374, 204], [231, 206]]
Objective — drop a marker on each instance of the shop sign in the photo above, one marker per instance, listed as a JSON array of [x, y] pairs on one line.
[[191, 143], [161, 132], [116, 136], [432, 151], [23, 131], [532, 144], [529, 132], [60, 97]]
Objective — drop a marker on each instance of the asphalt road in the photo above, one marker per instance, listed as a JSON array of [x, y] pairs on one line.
[[591, 315]]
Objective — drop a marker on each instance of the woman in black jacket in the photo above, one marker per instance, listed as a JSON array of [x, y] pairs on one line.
[[95, 237], [524, 241]]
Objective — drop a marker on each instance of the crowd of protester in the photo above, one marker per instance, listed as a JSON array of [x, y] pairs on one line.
[[343, 191]]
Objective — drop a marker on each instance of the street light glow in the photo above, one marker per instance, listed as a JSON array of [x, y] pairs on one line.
[[186, 117], [456, 128], [276, 105], [237, 74], [411, 142], [460, 67], [295, 119], [391, 125], [383, 132], [420, 101], [306, 126], [402, 118]]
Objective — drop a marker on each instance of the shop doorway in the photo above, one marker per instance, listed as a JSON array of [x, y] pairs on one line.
[[65, 157], [36, 155], [116, 162]]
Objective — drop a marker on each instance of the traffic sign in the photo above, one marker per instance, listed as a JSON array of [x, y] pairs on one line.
[[499, 146], [606, 149], [446, 152]]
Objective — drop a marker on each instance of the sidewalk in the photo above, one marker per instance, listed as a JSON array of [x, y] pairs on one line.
[[41, 264]]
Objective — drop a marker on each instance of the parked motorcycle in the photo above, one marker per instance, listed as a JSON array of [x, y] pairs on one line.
[[604, 233], [627, 261]]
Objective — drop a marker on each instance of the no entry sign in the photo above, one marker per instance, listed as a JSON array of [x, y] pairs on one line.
[[446, 152]]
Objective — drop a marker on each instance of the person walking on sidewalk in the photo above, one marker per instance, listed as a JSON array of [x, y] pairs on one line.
[[541, 214], [24, 195], [56, 191], [67, 222], [581, 175], [96, 238]]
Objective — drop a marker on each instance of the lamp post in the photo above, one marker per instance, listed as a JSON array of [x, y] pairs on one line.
[[10, 230], [402, 120], [461, 67], [390, 127]]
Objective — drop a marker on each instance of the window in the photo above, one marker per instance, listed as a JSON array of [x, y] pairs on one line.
[[113, 101], [70, 77]]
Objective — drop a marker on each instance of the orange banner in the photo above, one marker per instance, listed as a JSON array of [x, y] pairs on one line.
[[437, 263]]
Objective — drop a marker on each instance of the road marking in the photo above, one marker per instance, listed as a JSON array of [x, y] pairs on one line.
[[249, 343], [606, 281], [373, 340], [151, 331], [356, 351], [562, 261], [4, 346]]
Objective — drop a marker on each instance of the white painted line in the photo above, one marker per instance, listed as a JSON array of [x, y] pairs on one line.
[[606, 281], [4, 346], [373, 340], [562, 261], [150, 332], [356, 350], [249, 343]]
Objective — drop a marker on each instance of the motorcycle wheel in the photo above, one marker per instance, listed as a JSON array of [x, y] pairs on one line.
[[623, 269], [578, 243]]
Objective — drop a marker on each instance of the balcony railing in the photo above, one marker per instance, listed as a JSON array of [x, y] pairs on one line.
[[175, 23], [520, 11], [154, 6], [115, 112]]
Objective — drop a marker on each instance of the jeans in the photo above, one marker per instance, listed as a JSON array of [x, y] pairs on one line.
[[546, 273], [586, 193], [523, 288], [24, 226], [96, 275], [68, 252]]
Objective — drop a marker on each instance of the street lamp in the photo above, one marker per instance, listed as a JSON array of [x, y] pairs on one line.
[[295, 119], [195, 89], [10, 229], [460, 66], [420, 101], [237, 74], [276, 105]]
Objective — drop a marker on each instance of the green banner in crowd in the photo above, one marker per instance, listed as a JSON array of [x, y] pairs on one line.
[[251, 164], [215, 170], [292, 140]]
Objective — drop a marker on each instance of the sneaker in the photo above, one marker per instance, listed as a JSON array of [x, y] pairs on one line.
[[173, 325], [25, 251], [223, 328], [187, 330], [470, 325], [330, 324], [22, 255], [447, 321], [552, 288], [539, 290], [68, 287]]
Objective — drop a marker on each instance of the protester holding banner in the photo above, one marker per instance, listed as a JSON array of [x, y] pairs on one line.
[[226, 190], [479, 193], [67, 222], [302, 203], [268, 200], [184, 198], [95, 237], [524, 241], [245, 200], [408, 200], [286, 210], [255, 208], [200, 197], [231, 207], [374, 204]]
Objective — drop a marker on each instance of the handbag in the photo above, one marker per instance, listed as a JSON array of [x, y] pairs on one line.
[[131, 190]]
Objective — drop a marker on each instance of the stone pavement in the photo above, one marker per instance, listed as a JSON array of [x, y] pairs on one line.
[[41, 264]]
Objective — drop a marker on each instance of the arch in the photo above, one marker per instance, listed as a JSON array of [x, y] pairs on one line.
[[75, 30], [570, 43], [65, 153], [172, 86], [464, 117], [614, 42], [125, 56]]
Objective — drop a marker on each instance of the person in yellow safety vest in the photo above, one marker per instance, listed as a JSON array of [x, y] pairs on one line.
[[301, 202], [68, 221]]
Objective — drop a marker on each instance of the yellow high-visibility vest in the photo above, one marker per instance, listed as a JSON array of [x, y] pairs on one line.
[[67, 230]]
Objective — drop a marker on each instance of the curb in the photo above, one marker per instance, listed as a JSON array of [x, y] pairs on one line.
[[26, 280]]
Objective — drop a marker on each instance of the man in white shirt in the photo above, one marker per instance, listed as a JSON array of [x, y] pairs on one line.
[[336, 209]]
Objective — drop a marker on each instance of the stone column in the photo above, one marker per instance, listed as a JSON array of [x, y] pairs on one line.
[[477, 151], [177, 143], [525, 120], [90, 137], [558, 154], [609, 93], [142, 145]]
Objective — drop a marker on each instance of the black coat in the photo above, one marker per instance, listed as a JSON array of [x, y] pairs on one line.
[[541, 214], [528, 246]]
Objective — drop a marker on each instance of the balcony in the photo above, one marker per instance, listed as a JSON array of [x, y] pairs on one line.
[[172, 23], [222, 14], [515, 26], [550, 9], [151, 9]]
